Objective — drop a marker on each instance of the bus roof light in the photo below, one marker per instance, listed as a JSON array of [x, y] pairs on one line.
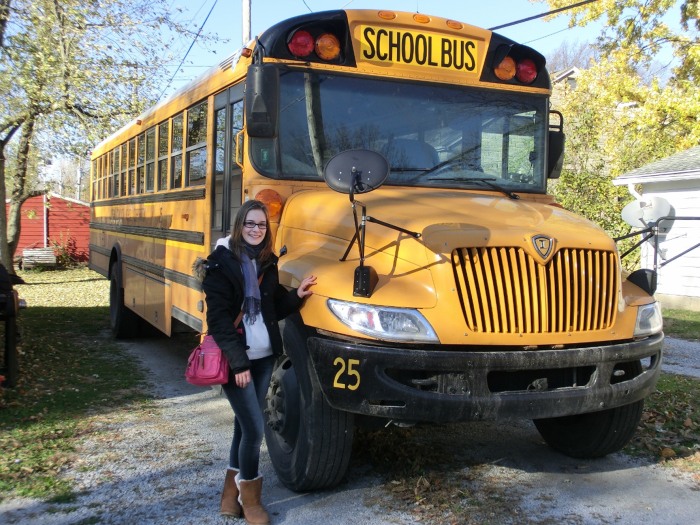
[[327, 47], [526, 71], [301, 44], [506, 69]]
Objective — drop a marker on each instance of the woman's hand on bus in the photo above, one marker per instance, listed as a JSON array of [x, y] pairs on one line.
[[306, 283], [243, 378]]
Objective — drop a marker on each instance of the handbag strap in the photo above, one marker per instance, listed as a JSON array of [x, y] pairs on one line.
[[239, 318]]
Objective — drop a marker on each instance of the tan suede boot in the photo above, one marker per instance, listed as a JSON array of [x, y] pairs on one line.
[[253, 511], [229, 497]]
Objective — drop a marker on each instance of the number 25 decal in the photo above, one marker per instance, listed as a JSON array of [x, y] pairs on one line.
[[346, 371]]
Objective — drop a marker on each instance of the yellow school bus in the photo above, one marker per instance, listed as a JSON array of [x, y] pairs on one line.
[[404, 159]]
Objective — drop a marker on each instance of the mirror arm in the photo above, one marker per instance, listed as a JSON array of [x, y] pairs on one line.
[[413, 234]]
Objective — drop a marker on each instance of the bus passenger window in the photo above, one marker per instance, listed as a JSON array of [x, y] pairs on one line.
[[176, 171], [163, 155], [150, 159], [140, 159], [176, 152], [132, 167], [219, 166], [113, 173], [197, 145], [122, 171], [93, 185]]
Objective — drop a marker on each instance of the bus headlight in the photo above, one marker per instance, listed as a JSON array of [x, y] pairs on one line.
[[649, 320], [385, 323]]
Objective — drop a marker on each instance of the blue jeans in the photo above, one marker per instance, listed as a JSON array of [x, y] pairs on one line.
[[248, 423]]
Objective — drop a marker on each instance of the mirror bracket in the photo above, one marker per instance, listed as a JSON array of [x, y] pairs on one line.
[[354, 172]]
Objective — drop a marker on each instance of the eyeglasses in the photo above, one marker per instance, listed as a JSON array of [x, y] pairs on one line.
[[262, 226]]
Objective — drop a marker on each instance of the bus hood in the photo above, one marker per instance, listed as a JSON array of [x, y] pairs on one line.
[[446, 220]]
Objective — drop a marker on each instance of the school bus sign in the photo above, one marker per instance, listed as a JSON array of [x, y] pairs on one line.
[[388, 46]]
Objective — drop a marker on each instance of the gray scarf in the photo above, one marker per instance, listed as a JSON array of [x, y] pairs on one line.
[[251, 301]]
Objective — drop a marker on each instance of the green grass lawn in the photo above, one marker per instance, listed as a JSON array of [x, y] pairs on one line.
[[682, 324], [69, 368]]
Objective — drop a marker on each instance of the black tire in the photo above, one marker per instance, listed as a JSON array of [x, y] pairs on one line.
[[123, 322], [595, 434], [309, 441]]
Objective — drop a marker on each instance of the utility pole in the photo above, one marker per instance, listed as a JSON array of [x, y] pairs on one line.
[[246, 20]]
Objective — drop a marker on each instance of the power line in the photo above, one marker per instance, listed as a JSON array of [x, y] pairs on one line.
[[199, 31], [573, 6]]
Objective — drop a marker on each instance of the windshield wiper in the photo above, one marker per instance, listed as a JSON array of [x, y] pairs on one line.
[[487, 182]]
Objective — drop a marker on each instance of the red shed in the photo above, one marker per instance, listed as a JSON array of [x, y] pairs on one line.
[[51, 220]]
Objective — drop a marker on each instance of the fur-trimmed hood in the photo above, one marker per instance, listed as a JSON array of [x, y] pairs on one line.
[[200, 265], [199, 268]]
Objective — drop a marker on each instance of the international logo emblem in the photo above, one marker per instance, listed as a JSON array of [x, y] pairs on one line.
[[543, 245]]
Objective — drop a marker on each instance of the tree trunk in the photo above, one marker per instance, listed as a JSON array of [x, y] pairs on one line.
[[14, 222], [5, 256], [4, 17]]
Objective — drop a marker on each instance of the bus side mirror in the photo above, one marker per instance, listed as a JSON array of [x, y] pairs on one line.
[[555, 146], [261, 100], [555, 158]]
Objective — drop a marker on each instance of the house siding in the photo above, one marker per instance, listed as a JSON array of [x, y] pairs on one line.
[[677, 180], [52, 219]]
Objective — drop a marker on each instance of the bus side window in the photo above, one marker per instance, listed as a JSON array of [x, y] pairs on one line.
[[176, 153], [140, 159], [150, 159], [196, 155], [162, 166], [217, 221]]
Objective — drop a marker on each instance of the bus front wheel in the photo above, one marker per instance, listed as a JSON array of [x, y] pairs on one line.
[[594, 434], [123, 322], [309, 441]]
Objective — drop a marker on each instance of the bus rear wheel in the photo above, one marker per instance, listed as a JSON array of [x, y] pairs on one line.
[[594, 434], [123, 322], [309, 441]]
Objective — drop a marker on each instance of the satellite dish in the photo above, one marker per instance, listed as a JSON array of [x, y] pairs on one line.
[[641, 213], [632, 214], [356, 171]]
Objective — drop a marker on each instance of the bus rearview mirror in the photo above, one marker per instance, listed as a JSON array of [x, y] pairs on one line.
[[555, 157], [261, 100]]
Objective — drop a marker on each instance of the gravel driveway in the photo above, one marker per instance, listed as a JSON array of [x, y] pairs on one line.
[[164, 463]]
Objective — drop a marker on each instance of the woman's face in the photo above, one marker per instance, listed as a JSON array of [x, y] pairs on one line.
[[256, 234]]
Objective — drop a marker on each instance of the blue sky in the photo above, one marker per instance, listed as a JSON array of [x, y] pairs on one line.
[[226, 21]]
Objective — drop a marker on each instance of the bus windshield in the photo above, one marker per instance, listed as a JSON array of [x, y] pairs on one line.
[[432, 135]]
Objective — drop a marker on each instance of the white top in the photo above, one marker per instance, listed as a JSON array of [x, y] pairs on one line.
[[256, 335]]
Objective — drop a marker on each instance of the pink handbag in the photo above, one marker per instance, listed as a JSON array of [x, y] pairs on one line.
[[207, 364]]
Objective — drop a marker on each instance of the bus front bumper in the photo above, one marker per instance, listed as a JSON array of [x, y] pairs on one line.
[[484, 384]]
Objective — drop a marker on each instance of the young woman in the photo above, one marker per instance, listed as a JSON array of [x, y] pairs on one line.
[[241, 277]]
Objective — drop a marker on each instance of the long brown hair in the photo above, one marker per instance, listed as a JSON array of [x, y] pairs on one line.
[[236, 243]]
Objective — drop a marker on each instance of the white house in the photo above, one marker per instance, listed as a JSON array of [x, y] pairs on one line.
[[672, 187]]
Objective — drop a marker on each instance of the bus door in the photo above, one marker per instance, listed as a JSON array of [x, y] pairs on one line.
[[227, 184]]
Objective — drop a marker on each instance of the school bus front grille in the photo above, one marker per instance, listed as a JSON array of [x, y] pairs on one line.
[[505, 290]]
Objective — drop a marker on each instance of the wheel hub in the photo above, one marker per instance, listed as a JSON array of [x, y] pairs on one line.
[[283, 402]]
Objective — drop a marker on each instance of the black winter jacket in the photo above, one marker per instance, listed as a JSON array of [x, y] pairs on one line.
[[224, 290]]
